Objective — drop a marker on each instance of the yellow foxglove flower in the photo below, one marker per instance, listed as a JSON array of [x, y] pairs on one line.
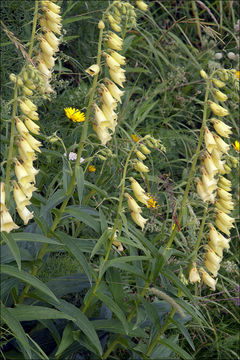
[[139, 166], [236, 146], [31, 171], [144, 149], [30, 104], [225, 181], [209, 183], [218, 83], [20, 198], [114, 90], [132, 204], [107, 98], [52, 40], [25, 214], [99, 115], [209, 140], [203, 74], [141, 5], [2, 196], [109, 114], [227, 204], [217, 109], [42, 67], [204, 195], [213, 268], [93, 70], [53, 17], [220, 95], [111, 62], [225, 219], [21, 173], [212, 257], [118, 76], [218, 163], [46, 47], [22, 129], [25, 109], [54, 7], [114, 43], [102, 134], [218, 239], [49, 61], [221, 128], [34, 128], [115, 27], [25, 150], [139, 192], [138, 219], [119, 58], [221, 144], [53, 26], [209, 165], [224, 187], [208, 280], [222, 227], [35, 144], [224, 194], [28, 189], [194, 274], [140, 155], [7, 224], [219, 206]]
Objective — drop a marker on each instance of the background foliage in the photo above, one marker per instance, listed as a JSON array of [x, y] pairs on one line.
[[166, 101]]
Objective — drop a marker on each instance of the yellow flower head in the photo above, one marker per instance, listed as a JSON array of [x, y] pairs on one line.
[[74, 114], [91, 168], [236, 146], [151, 202], [135, 138]]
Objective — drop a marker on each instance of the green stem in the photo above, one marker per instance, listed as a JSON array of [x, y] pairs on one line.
[[35, 16], [161, 332], [10, 151], [84, 309], [193, 168]]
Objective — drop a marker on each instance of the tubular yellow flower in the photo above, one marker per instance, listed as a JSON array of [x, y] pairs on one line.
[[220, 95], [102, 133], [139, 166], [225, 219], [217, 109], [138, 219], [226, 196], [114, 90], [140, 155], [194, 274], [209, 165], [21, 173], [209, 183], [74, 114], [35, 144], [43, 68], [236, 146], [25, 214], [144, 149], [54, 7], [93, 70], [132, 204], [30, 104], [203, 74], [217, 239], [209, 140], [227, 204], [28, 189], [114, 44], [46, 47], [53, 26], [91, 168], [6, 222], [34, 128], [139, 192], [212, 257], [222, 227], [118, 76], [52, 40], [221, 144], [22, 129], [20, 198], [220, 207], [119, 58], [111, 62], [208, 280], [221, 128], [52, 16], [218, 83], [141, 5], [107, 98], [213, 268]]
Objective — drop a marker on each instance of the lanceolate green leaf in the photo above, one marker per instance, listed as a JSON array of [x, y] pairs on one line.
[[67, 339], [81, 215], [171, 276], [15, 326], [114, 307], [10, 241], [82, 322], [101, 241], [29, 312], [176, 348], [30, 279], [34, 237]]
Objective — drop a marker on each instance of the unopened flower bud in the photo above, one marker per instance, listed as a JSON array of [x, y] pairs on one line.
[[101, 24]]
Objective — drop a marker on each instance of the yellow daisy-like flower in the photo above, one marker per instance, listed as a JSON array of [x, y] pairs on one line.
[[91, 168], [151, 202], [236, 146], [237, 73], [135, 138], [74, 114]]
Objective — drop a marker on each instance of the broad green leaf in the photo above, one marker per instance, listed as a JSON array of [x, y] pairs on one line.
[[81, 215], [176, 348], [129, 269], [56, 199], [34, 237], [82, 322], [29, 312], [10, 241], [6, 286], [70, 284], [6, 256], [15, 326], [75, 249], [115, 326], [114, 307], [28, 278], [101, 241], [67, 339], [80, 182]]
